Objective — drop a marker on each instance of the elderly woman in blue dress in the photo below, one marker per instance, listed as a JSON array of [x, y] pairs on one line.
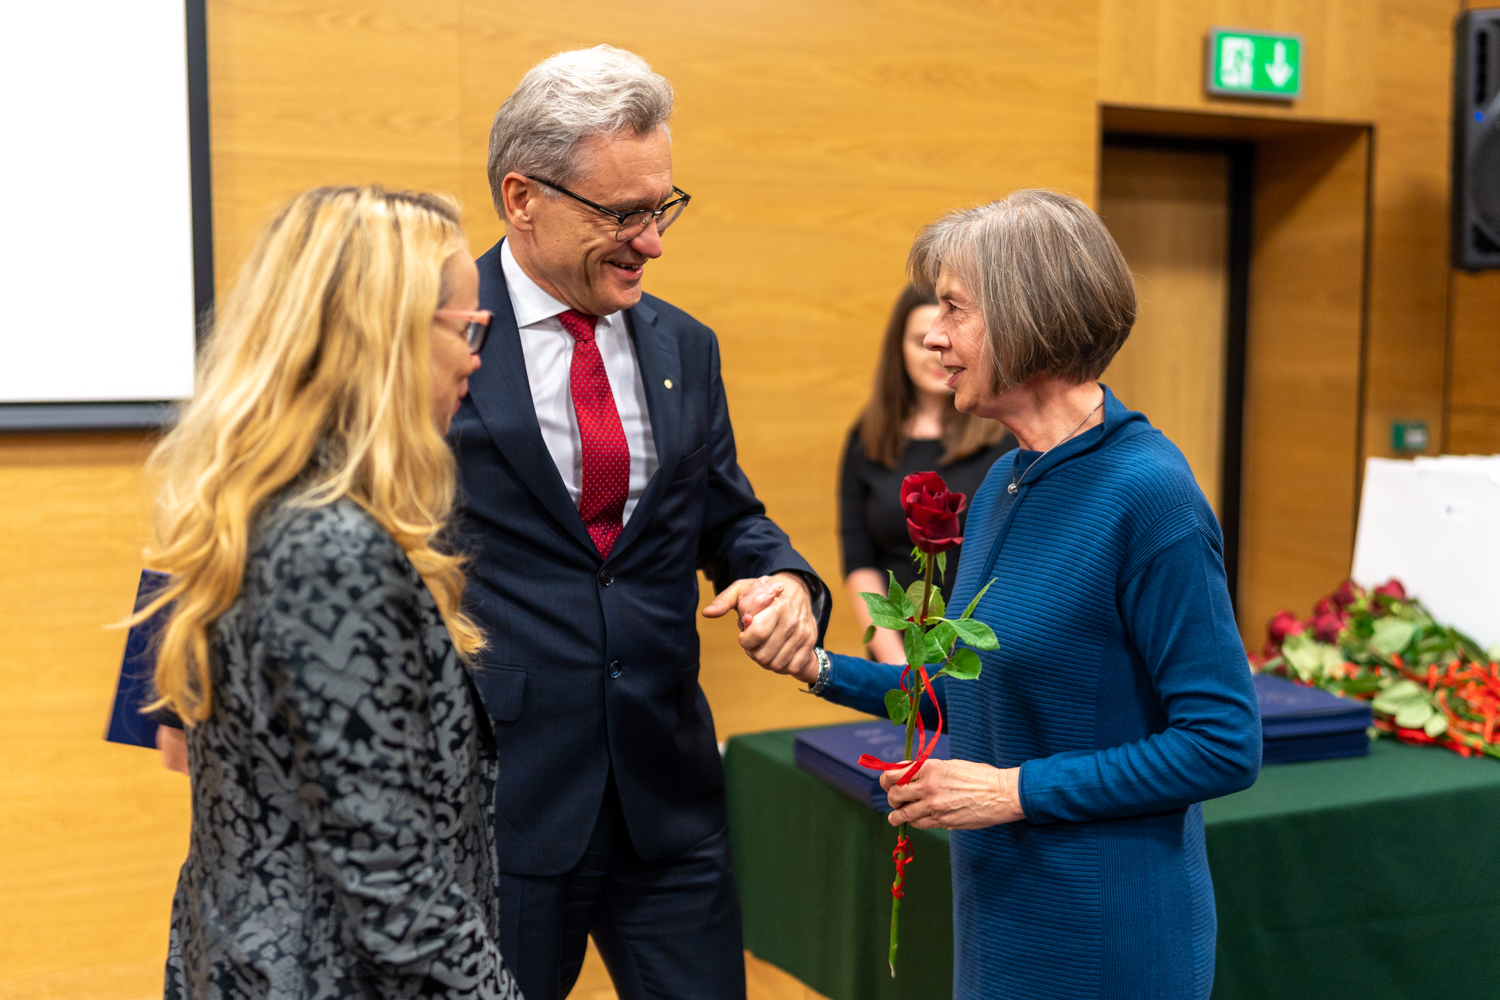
[[1120, 696]]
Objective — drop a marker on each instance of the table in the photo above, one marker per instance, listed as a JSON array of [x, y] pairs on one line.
[[1372, 877]]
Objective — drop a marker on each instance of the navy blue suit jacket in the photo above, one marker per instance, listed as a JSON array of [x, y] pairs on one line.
[[593, 664]]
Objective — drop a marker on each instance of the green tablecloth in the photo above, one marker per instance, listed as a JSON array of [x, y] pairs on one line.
[[1365, 878]]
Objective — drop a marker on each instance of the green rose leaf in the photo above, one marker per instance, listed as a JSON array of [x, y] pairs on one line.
[[975, 602], [1414, 715], [879, 605], [944, 635], [869, 634], [890, 621], [1392, 635], [935, 652], [976, 634], [915, 642], [942, 563], [1303, 655], [896, 706], [934, 604], [1436, 726], [899, 600], [1399, 695], [964, 666]]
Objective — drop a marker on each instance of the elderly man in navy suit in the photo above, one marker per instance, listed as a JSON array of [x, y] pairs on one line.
[[598, 475]]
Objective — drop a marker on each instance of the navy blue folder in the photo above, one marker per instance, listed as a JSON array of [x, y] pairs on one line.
[[1307, 723], [127, 724], [1297, 723], [831, 755]]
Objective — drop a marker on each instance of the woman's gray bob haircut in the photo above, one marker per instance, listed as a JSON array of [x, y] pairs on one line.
[[1053, 289], [564, 100]]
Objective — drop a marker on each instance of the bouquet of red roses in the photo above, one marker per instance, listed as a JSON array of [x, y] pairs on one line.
[[928, 637], [1428, 683]]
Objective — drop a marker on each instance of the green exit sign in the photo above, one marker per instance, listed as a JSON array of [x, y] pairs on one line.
[[1254, 64]]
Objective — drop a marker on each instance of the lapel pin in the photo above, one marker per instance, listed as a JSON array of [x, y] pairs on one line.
[[668, 383]]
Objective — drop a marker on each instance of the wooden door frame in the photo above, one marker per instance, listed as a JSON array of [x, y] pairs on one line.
[[1240, 154]]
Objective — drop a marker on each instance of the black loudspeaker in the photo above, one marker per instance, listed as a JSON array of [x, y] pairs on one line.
[[1476, 141]]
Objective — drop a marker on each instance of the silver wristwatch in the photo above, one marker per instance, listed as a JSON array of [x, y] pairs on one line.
[[824, 667]]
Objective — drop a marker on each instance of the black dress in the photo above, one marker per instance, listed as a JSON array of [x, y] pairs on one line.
[[871, 525]]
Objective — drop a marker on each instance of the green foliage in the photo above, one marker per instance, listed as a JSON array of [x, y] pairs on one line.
[[935, 606], [964, 666], [897, 707], [1392, 635], [1310, 658], [915, 642], [944, 634], [883, 612], [976, 634], [969, 611], [899, 600], [935, 652], [942, 565], [869, 634]]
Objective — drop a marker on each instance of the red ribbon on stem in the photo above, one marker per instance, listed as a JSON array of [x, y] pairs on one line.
[[902, 859], [924, 746]]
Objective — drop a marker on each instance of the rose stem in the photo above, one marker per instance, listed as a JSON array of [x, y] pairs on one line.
[[911, 724]]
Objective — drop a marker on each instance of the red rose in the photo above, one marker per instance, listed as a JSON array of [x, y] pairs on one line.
[[931, 512], [1347, 594], [1327, 627], [1284, 624], [1326, 606], [1391, 588]]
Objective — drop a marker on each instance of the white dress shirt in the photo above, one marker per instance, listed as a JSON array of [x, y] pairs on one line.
[[548, 350]]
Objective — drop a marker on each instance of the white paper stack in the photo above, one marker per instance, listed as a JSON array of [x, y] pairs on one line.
[[1434, 524]]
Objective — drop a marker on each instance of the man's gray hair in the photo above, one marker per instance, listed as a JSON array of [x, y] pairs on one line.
[[566, 99], [1054, 291]]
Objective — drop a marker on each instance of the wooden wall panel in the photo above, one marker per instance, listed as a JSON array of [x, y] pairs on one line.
[[92, 833], [1169, 213], [1152, 54], [310, 92], [1301, 374], [1411, 77], [1473, 419]]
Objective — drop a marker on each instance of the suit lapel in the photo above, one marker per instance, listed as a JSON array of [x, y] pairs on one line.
[[502, 395], [656, 354]]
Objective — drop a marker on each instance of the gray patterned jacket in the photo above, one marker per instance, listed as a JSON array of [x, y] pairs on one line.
[[343, 788]]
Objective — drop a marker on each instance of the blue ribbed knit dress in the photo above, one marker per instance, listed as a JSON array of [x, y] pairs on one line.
[[1121, 690]]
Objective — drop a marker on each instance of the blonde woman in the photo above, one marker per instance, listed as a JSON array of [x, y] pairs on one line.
[[342, 766]]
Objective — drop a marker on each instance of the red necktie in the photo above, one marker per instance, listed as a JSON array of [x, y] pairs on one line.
[[606, 456]]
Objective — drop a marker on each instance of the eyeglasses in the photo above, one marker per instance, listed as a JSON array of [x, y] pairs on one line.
[[632, 224], [476, 325]]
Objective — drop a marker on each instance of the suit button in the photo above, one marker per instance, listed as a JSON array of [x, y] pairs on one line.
[[614, 668], [606, 577]]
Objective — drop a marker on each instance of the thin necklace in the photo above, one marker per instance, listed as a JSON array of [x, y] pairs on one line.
[[1015, 484]]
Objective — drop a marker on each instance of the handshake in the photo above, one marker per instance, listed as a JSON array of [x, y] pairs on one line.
[[778, 628]]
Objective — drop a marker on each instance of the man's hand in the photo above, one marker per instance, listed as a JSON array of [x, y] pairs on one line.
[[173, 746], [955, 795], [777, 627]]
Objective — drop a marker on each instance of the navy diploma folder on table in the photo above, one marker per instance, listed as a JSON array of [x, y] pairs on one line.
[[126, 722], [1297, 723], [831, 755], [1307, 723]]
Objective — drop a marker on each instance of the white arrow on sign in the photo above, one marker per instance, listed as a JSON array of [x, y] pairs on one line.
[[1278, 69]]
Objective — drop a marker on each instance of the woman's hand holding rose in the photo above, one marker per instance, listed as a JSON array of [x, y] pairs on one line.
[[955, 795]]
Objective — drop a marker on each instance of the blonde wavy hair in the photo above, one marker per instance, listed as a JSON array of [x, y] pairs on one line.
[[318, 371]]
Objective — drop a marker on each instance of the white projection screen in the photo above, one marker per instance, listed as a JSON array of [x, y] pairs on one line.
[[99, 239]]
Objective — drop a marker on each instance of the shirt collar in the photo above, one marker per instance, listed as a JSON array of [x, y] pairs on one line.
[[532, 305]]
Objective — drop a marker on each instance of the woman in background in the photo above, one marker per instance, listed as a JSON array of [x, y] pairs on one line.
[[342, 841], [909, 425]]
